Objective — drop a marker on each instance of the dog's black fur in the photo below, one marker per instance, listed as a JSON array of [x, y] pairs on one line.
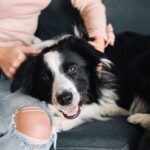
[[131, 59], [96, 88], [36, 79]]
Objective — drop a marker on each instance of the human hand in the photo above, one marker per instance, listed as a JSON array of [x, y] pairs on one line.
[[98, 43], [12, 57]]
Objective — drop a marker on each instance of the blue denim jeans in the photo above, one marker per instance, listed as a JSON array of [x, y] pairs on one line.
[[10, 137]]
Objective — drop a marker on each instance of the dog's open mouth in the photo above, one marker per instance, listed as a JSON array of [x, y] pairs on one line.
[[71, 112]]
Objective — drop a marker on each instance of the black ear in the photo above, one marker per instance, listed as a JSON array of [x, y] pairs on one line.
[[23, 76], [86, 50]]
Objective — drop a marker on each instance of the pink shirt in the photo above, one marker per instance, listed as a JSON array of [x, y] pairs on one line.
[[19, 18]]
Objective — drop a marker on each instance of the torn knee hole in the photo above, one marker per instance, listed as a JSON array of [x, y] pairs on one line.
[[33, 122]]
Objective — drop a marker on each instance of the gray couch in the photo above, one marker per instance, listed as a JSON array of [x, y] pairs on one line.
[[129, 15], [125, 15]]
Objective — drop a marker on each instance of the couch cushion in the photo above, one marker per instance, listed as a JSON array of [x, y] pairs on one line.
[[114, 134]]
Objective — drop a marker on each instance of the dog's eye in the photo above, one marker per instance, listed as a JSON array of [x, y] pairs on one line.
[[44, 76], [71, 69]]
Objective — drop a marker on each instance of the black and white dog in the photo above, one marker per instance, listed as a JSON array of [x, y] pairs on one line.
[[65, 75]]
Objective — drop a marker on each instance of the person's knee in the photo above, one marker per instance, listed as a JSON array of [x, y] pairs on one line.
[[33, 122]]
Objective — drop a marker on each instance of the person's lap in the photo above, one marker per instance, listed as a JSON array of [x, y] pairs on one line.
[[10, 103]]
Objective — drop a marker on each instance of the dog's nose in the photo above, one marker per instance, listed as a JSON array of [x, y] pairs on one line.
[[65, 98]]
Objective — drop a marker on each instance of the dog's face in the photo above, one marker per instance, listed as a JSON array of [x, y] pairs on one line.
[[64, 75]]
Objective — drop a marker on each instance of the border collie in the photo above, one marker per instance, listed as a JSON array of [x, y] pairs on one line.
[[65, 76]]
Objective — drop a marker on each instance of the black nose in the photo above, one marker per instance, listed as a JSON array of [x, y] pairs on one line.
[[65, 98]]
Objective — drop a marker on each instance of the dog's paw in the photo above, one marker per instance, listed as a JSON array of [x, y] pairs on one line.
[[114, 110], [124, 112], [62, 124], [65, 126], [140, 119]]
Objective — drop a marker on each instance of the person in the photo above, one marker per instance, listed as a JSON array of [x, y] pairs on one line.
[[25, 122]]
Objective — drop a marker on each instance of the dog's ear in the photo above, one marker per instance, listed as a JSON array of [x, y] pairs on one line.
[[86, 50], [23, 76]]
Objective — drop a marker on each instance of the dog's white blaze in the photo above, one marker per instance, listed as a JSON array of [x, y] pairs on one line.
[[54, 61], [61, 81]]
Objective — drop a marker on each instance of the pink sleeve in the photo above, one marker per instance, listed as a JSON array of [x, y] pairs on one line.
[[94, 16]]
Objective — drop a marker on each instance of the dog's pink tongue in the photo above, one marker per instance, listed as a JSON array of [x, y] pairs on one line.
[[71, 110]]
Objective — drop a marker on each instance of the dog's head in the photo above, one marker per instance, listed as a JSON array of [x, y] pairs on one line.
[[64, 75]]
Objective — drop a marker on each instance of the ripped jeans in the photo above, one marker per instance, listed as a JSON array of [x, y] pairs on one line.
[[10, 137]]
